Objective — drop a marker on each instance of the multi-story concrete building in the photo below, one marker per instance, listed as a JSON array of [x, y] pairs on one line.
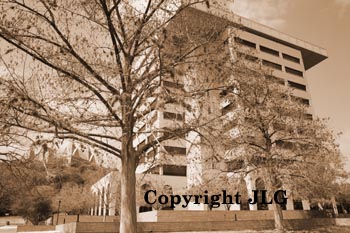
[[288, 57]]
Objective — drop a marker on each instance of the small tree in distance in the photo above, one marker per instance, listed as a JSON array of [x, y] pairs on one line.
[[32, 188], [25, 186]]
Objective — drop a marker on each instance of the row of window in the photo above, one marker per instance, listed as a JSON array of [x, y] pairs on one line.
[[267, 50], [279, 67], [291, 58], [170, 170], [175, 150], [247, 57], [227, 108], [245, 42], [173, 85], [308, 116], [169, 149], [297, 85], [277, 79], [173, 116], [293, 71], [302, 100], [275, 53], [270, 64], [174, 170]]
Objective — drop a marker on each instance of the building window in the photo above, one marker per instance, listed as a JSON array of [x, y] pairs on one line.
[[227, 108], [140, 145], [275, 79], [234, 165], [279, 126], [298, 205], [272, 65], [142, 129], [150, 155], [297, 85], [223, 93], [308, 116], [173, 85], [151, 138], [172, 116], [174, 170], [175, 150], [245, 42], [305, 101], [284, 144], [291, 58], [247, 57], [269, 51], [294, 71], [302, 100], [154, 170]]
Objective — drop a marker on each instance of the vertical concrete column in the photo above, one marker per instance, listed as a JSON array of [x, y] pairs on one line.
[[290, 204], [306, 204], [194, 160], [92, 211], [112, 209], [270, 207], [290, 201], [99, 204], [96, 204]]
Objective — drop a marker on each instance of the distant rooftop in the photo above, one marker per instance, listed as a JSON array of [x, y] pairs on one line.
[[312, 54]]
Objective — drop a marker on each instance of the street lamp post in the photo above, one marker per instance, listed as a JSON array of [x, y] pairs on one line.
[[58, 211]]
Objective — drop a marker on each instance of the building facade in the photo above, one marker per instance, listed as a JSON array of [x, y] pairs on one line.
[[179, 164]]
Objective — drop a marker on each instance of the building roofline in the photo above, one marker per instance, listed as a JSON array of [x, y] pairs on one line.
[[311, 53]]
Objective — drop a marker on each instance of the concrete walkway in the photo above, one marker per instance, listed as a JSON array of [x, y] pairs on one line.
[[333, 229], [8, 229]]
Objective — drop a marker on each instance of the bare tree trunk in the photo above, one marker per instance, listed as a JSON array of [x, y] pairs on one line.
[[278, 216], [128, 197], [334, 205], [277, 210]]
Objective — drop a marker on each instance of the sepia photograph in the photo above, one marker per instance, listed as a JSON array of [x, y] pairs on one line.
[[176, 116]]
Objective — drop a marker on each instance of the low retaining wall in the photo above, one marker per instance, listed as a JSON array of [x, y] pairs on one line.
[[342, 221], [31, 228], [67, 228], [143, 227], [12, 220], [64, 218], [221, 215]]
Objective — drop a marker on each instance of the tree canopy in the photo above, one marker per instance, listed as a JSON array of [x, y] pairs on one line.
[[93, 71], [275, 137]]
